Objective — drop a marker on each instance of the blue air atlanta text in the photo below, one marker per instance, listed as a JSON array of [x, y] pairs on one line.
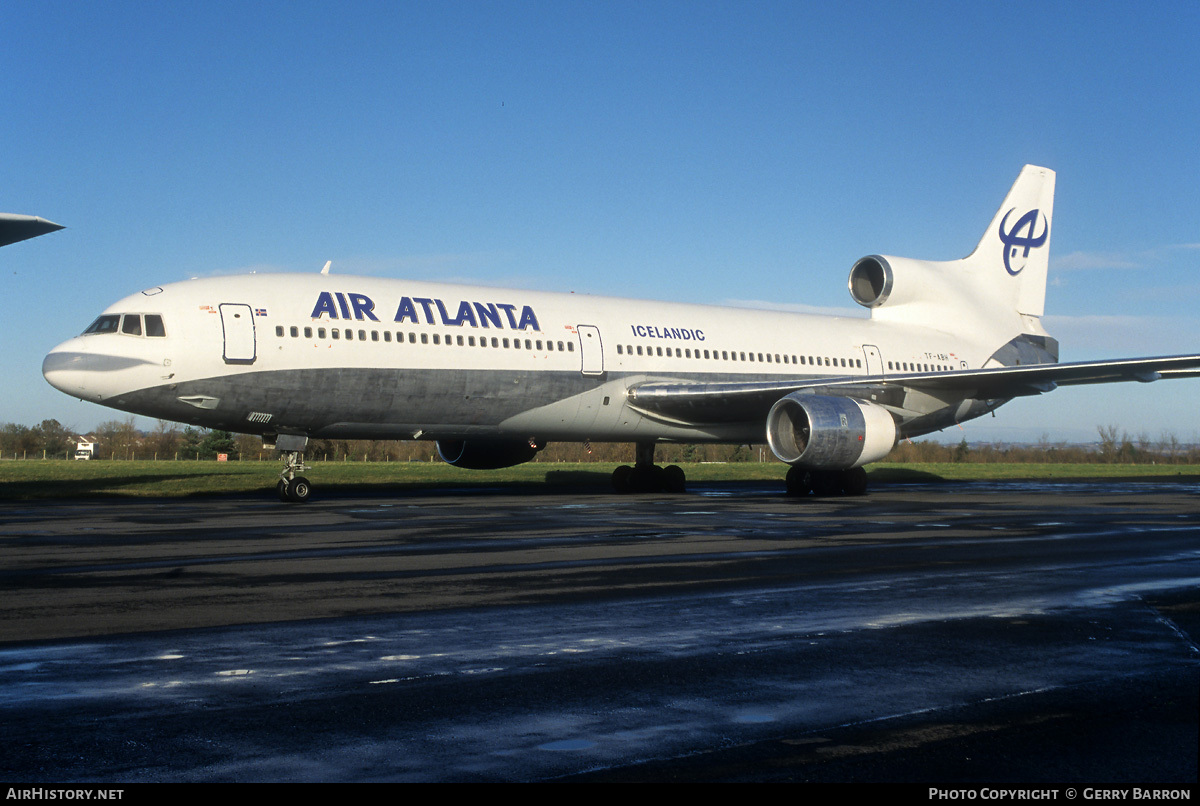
[[652, 332], [339, 305]]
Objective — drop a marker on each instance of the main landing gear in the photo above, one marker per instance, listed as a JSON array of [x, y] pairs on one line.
[[292, 487], [801, 482], [647, 477]]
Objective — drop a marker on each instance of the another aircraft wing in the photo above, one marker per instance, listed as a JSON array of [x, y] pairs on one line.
[[737, 402], [15, 227]]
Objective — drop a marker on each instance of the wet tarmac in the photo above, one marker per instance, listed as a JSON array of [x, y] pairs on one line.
[[997, 632]]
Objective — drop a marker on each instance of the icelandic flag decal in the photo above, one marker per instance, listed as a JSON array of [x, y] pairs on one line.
[[260, 311]]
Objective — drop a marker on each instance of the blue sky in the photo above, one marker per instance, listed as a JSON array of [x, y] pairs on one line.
[[706, 152]]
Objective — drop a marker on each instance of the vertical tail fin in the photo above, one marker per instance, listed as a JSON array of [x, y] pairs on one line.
[[998, 289], [1011, 261]]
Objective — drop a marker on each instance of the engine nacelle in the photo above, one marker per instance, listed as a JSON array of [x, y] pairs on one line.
[[871, 281], [878, 280], [486, 454], [822, 432]]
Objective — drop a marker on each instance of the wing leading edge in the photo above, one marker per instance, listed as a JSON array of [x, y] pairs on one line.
[[696, 403]]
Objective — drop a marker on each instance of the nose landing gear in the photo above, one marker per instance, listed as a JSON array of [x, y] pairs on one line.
[[292, 487]]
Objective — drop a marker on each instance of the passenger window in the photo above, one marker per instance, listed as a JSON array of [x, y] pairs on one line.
[[154, 326], [295, 331], [279, 330], [320, 333], [131, 324]]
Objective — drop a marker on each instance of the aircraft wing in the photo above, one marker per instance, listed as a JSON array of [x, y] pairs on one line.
[[15, 227], [738, 402]]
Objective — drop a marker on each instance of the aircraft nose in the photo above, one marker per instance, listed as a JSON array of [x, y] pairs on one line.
[[97, 369], [74, 368], [66, 368]]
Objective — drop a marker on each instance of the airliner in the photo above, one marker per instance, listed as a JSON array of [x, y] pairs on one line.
[[493, 374]]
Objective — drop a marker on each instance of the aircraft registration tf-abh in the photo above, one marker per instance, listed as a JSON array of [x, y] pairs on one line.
[[493, 375]]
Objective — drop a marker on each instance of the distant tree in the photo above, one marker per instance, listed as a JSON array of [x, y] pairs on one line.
[[189, 443], [963, 452], [118, 439], [54, 440], [164, 439], [248, 446], [217, 442], [18, 440]]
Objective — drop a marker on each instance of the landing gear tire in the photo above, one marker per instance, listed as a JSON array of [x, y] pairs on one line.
[[854, 481], [282, 489], [620, 478], [673, 479], [298, 490], [826, 483], [799, 481], [645, 479]]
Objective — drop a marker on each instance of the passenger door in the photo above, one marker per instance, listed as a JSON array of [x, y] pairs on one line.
[[591, 350], [237, 323], [874, 359]]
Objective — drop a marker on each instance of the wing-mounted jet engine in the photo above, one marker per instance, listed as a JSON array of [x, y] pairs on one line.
[[827, 440]]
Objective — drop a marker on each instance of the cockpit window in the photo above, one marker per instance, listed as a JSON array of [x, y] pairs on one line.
[[105, 324], [131, 324]]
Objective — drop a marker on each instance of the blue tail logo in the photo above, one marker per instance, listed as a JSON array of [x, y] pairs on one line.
[[1022, 237]]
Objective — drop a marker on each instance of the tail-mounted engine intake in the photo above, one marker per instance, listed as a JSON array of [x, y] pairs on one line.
[[487, 454], [871, 280], [879, 281], [829, 433]]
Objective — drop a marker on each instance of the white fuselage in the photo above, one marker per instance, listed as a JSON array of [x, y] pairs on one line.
[[361, 357]]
